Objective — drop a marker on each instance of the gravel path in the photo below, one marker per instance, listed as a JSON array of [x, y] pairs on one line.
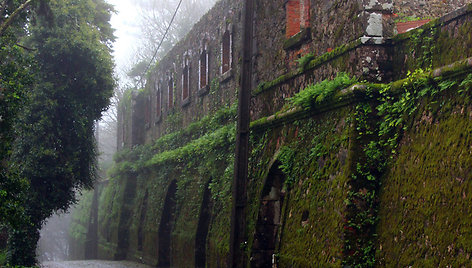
[[92, 264]]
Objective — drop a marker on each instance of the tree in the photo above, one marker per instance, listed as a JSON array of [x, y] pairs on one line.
[[16, 76], [54, 151], [155, 19]]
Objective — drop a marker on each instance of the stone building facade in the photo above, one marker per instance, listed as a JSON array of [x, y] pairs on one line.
[[312, 169]]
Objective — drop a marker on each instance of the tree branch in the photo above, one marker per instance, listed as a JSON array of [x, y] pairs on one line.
[[26, 48], [7, 23]]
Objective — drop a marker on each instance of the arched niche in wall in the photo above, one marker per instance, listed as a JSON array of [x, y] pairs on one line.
[[165, 227], [142, 219], [269, 219], [203, 227]]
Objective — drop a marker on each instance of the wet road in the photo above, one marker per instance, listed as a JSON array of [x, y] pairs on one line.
[[92, 264]]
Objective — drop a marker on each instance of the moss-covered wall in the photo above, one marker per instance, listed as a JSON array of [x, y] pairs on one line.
[[425, 202], [221, 89], [331, 24], [438, 43], [427, 9], [131, 202], [314, 156]]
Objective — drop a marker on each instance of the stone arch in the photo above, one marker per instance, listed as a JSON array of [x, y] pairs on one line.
[[269, 218], [203, 227], [166, 226]]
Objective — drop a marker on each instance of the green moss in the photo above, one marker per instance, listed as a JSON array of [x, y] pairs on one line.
[[433, 45], [310, 64], [313, 158], [379, 124], [297, 39], [426, 197]]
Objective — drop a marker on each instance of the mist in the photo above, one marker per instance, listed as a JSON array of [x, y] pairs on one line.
[[141, 39]]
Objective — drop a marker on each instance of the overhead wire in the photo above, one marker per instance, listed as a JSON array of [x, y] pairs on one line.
[[163, 37]]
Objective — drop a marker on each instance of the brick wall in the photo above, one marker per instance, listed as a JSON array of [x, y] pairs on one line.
[[293, 21]]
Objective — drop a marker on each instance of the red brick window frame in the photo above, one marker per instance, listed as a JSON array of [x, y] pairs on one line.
[[226, 57], [170, 92], [203, 67], [158, 103], [186, 80], [297, 16]]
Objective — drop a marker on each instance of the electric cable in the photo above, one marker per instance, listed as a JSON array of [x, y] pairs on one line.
[[163, 37]]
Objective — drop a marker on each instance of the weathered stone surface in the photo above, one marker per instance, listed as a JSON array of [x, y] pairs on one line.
[[428, 8], [355, 37]]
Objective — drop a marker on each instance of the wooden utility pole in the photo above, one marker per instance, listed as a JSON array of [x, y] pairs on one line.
[[238, 236]]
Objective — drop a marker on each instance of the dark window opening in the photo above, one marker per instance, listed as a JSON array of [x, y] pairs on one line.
[[204, 68], [226, 52], [142, 219], [186, 82], [170, 90], [158, 104], [166, 226], [269, 219], [203, 227]]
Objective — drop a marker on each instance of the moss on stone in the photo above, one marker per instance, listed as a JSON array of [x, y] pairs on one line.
[[425, 214]]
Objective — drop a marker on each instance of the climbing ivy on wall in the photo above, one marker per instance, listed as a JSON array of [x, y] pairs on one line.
[[380, 128], [197, 156], [379, 122]]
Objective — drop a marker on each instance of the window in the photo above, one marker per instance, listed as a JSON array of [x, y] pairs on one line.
[[297, 16], [158, 104], [186, 81], [226, 52], [170, 92], [203, 70]]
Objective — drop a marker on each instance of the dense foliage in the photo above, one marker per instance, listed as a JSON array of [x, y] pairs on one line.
[[54, 86]]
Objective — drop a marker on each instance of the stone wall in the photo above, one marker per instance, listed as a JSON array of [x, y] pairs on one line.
[[315, 171], [428, 8]]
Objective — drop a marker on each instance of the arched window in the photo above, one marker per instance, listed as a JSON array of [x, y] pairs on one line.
[[269, 220], [203, 67], [297, 16], [166, 226], [170, 92], [186, 80], [226, 52]]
